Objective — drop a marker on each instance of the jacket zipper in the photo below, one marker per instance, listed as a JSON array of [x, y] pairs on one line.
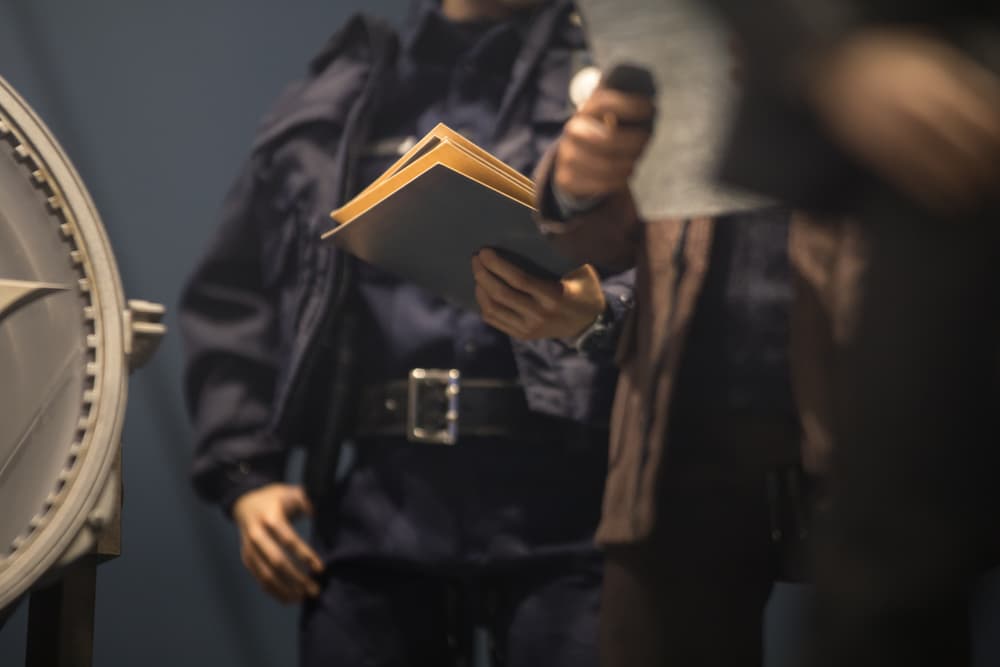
[[339, 279]]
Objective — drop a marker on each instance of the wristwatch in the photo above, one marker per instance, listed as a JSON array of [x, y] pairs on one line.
[[594, 336]]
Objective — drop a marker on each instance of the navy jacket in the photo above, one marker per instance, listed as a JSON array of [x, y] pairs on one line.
[[265, 316]]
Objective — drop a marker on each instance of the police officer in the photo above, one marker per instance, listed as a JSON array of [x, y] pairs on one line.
[[418, 535]]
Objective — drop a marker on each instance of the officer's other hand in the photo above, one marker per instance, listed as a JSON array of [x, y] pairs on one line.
[[602, 143], [916, 110], [277, 557], [530, 308]]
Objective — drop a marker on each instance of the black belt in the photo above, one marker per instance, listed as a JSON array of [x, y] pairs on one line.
[[437, 405]]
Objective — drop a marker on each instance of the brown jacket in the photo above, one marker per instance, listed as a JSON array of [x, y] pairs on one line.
[[827, 259]]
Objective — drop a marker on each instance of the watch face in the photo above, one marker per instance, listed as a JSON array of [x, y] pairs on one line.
[[62, 368]]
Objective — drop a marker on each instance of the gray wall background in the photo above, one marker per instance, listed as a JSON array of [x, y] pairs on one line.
[[156, 104]]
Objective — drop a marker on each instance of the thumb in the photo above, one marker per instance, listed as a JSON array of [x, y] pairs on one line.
[[628, 108], [296, 502], [583, 274], [582, 281]]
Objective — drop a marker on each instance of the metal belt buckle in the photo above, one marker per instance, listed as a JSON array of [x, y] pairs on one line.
[[434, 391]]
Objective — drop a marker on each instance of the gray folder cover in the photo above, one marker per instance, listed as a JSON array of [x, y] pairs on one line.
[[427, 231]]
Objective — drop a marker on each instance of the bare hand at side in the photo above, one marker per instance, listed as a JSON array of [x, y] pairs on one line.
[[278, 558]]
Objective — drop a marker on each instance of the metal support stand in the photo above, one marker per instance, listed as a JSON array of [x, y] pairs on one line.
[[61, 619], [61, 613]]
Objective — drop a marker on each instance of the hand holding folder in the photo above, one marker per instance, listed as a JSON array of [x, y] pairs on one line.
[[528, 308], [440, 203]]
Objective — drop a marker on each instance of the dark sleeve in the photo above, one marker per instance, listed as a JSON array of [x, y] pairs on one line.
[[602, 232], [606, 235], [558, 380], [228, 321], [619, 293]]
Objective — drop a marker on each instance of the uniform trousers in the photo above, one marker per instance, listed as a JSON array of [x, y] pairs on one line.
[[379, 615]]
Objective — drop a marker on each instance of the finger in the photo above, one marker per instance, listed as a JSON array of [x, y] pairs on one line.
[[626, 107], [582, 159], [297, 502], [291, 542], [583, 187], [584, 274], [597, 170], [518, 303], [945, 152], [589, 170], [483, 299], [580, 178], [519, 321], [602, 141], [266, 577], [957, 135], [500, 317], [278, 561], [273, 586], [906, 152], [546, 292], [928, 176], [983, 107], [508, 328], [977, 132], [963, 153]]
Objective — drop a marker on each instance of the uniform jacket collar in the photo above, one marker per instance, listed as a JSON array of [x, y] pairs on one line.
[[365, 40]]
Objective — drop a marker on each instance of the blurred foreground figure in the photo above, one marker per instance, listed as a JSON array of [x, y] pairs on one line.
[[706, 505], [290, 342], [890, 111]]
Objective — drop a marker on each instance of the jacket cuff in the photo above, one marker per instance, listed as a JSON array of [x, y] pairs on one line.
[[607, 235], [550, 209], [566, 205], [231, 481], [619, 300]]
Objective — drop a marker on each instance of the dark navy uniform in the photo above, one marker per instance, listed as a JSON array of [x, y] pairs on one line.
[[288, 342]]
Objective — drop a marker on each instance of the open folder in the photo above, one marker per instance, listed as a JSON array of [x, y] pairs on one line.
[[442, 201]]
